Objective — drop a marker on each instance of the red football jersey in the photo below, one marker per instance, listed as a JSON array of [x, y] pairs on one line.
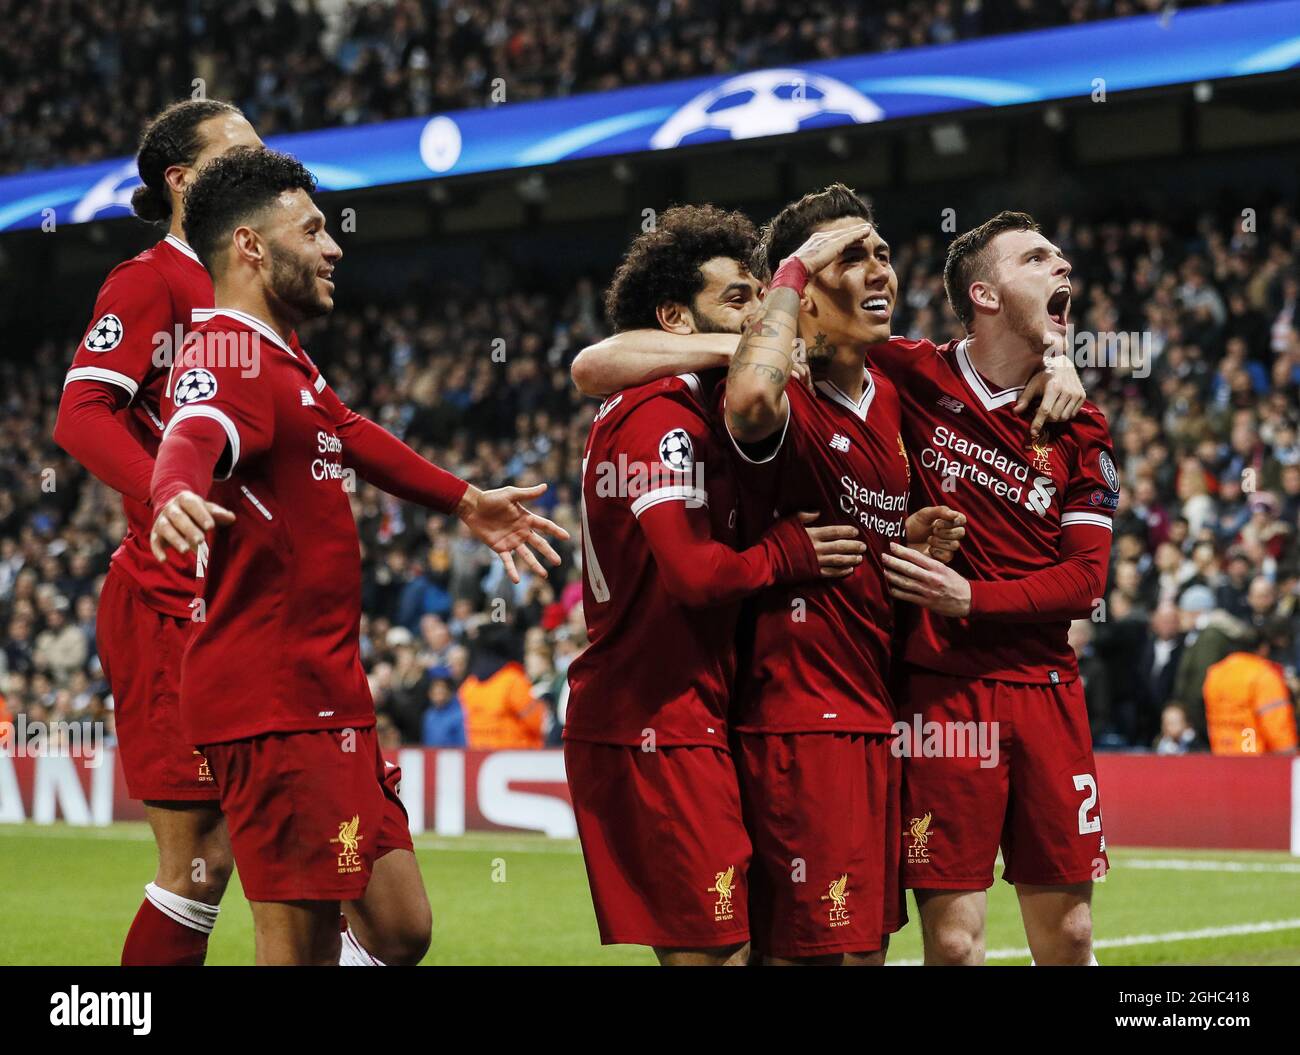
[[821, 650], [971, 451], [143, 309], [277, 647], [653, 663]]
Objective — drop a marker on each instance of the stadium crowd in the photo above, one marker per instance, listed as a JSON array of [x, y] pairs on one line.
[[301, 64], [1206, 558]]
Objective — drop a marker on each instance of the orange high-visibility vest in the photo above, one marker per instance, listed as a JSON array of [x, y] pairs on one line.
[[1248, 708]]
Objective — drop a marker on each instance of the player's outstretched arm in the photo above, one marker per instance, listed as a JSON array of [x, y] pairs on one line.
[[182, 476], [700, 572], [499, 519], [765, 360], [936, 531], [496, 517], [1058, 390], [637, 357], [380, 458], [1070, 590]]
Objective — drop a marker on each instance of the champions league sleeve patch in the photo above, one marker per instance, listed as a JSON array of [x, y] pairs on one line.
[[105, 335], [675, 451], [1108, 472], [194, 387], [1105, 499]]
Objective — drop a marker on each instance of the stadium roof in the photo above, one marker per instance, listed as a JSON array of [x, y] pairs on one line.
[[1073, 63]]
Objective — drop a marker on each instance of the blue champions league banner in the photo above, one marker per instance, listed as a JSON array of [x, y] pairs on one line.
[[1072, 62]]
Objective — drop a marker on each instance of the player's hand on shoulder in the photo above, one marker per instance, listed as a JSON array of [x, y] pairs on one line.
[[183, 523], [922, 580], [499, 519], [838, 548], [1058, 391], [936, 531], [824, 246]]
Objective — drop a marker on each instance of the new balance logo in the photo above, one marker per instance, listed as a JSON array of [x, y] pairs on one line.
[[839, 443], [307, 401], [955, 405]]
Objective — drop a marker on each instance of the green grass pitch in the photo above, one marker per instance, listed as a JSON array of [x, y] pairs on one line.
[[67, 896]]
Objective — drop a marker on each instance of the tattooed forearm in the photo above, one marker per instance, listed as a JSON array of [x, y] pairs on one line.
[[762, 365], [769, 373], [769, 336]]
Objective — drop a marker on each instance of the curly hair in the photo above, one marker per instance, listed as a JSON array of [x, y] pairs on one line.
[[794, 224], [662, 266], [232, 189], [967, 259], [171, 138]]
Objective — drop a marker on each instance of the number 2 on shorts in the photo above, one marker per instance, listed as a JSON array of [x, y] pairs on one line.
[[1086, 782]]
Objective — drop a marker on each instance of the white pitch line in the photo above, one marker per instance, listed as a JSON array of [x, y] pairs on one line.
[[475, 843], [1148, 939], [453, 844], [68, 831], [1183, 865], [533, 844]]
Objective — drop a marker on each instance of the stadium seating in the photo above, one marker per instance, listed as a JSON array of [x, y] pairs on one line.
[[1207, 446], [344, 65]]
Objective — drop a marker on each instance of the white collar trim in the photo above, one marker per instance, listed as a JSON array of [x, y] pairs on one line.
[[183, 248], [204, 314], [991, 400], [837, 395]]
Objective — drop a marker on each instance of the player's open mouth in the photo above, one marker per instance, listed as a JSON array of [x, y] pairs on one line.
[[877, 306], [1058, 306]]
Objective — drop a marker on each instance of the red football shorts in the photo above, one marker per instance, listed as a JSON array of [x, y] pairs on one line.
[[140, 650], [308, 813], [822, 810], [664, 842], [1035, 795]]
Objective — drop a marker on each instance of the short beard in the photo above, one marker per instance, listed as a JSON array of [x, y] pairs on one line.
[[706, 324], [1027, 324], [295, 286]]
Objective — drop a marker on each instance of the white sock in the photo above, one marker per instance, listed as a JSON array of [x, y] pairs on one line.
[[353, 954], [193, 914]]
